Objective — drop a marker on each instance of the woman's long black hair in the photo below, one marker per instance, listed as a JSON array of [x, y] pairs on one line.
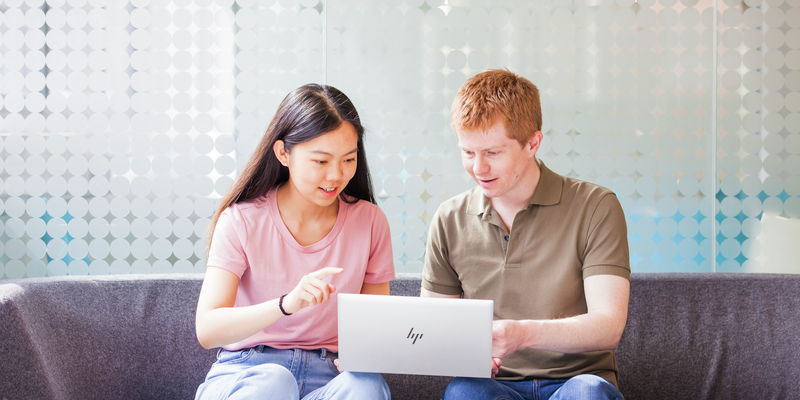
[[304, 114]]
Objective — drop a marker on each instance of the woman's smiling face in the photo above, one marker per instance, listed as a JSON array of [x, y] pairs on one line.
[[321, 168]]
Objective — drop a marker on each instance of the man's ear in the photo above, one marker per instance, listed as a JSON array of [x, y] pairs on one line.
[[534, 143], [280, 152]]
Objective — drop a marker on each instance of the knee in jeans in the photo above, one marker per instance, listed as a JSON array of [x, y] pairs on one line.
[[588, 386], [270, 375], [587, 380], [460, 387], [459, 382], [365, 385]]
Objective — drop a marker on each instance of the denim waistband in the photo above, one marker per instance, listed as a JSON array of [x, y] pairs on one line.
[[323, 352]]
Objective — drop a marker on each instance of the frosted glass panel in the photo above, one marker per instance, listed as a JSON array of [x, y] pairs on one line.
[[396, 65], [626, 96], [759, 137], [122, 123]]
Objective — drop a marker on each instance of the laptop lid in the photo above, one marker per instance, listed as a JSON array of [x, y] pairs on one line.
[[416, 336]]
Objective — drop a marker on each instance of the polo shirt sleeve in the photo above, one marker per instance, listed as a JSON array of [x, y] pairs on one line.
[[438, 274], [227, 244], [380, 267], [606, 250]]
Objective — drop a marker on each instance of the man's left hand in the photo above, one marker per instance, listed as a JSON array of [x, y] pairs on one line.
[[507, 337], [496, 364]]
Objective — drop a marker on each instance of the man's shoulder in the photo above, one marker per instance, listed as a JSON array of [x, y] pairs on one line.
[[458, 204], [582, 190]]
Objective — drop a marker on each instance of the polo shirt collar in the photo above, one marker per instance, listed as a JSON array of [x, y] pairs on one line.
[[548, 192]]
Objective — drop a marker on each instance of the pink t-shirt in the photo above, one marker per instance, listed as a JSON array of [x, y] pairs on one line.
[[251, 241]]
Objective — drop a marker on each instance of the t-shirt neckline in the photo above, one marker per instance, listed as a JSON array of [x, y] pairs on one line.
[[272, 201]]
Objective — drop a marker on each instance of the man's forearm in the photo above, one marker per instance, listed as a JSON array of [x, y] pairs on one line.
[[427, 293], [599, 329], [587, 332]]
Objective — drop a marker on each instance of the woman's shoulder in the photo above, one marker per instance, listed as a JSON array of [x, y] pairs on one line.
[[247, 209], [359, 204], [363, 209]]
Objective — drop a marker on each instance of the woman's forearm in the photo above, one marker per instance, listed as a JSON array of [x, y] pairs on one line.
[[223, 326]]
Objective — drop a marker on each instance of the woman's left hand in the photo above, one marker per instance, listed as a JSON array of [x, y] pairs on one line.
[[336, 363], [310, 291]]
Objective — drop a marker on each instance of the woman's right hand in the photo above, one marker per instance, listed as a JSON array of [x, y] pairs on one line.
[[220, 323], [310, 291]]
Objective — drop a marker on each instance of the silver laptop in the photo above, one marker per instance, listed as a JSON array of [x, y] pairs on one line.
[[417, 336]]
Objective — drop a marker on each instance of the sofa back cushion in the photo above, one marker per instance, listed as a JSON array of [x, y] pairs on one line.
[[114, 337], [132, 337], [711, 336]]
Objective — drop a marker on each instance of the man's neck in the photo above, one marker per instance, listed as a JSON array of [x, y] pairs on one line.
[[508, 205]]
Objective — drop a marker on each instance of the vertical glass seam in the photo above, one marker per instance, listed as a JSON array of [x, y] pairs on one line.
[[715, 49], [324, 42]]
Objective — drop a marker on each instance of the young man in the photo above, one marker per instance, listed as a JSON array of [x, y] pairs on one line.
[[551, 251]]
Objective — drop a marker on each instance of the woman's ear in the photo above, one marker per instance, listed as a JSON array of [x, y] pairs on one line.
[[280, 152]]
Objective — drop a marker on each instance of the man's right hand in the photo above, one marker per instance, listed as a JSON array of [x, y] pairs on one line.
[[496, 363], [310, 291]]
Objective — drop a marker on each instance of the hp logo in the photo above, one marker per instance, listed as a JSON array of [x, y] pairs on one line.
[[412, 335]]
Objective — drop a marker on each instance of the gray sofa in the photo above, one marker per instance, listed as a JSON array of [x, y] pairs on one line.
[[689, 336]]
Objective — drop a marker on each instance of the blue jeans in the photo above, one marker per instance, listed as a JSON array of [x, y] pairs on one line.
[[266, 373], [578, 387]]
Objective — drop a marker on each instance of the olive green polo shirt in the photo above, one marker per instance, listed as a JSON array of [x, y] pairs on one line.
[[570, 230]]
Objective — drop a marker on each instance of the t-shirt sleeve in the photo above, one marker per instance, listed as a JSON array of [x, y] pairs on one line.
[[227, 244], [438, 274], [606, 250], [380, 267]]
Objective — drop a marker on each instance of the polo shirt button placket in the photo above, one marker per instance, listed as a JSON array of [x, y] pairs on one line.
[[506, 238]]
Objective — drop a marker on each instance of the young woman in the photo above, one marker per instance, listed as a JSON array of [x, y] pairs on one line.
[[299, 224]]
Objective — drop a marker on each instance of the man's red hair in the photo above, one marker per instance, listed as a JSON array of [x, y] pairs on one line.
[[498, 93]]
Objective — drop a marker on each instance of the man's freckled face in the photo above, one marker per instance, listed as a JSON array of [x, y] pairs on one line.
[[493, 159]]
